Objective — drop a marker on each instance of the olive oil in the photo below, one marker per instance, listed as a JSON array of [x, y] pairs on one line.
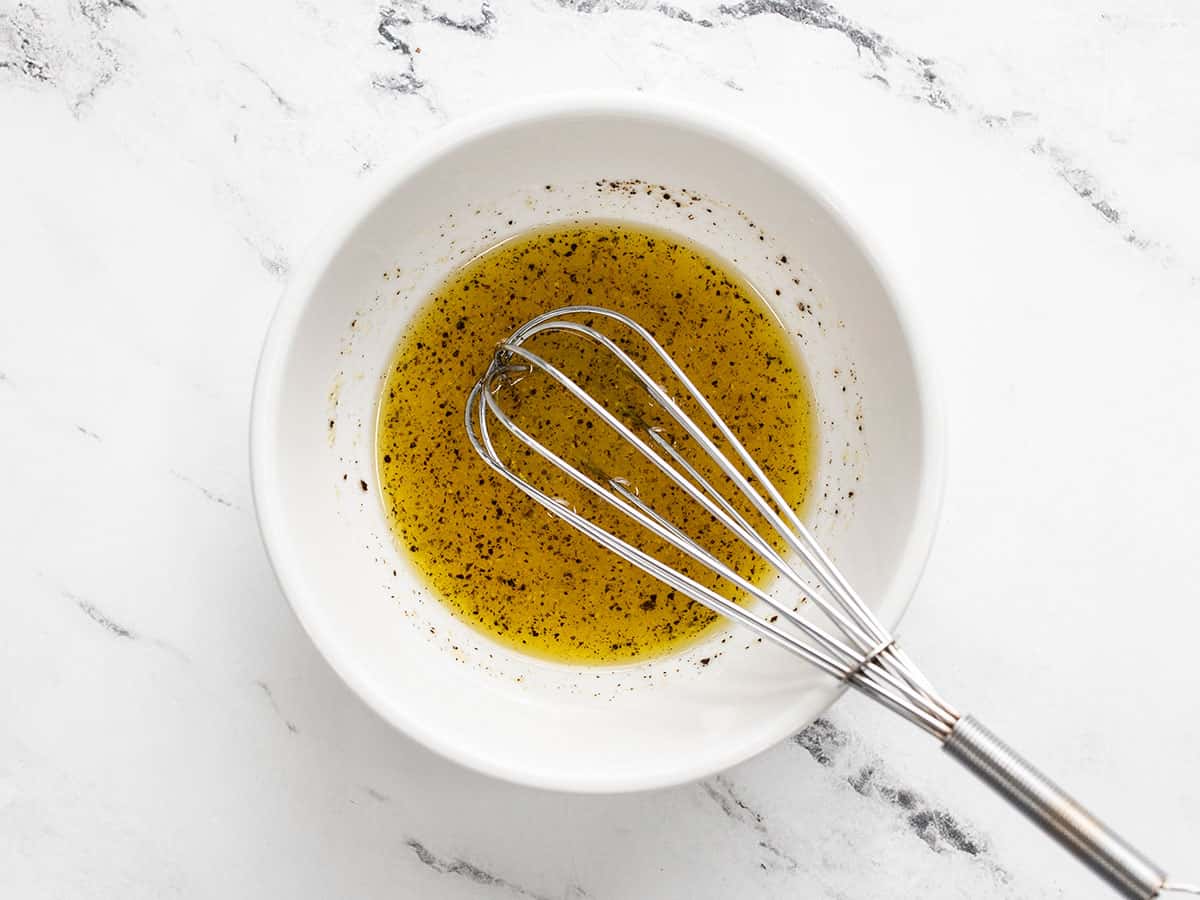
[[498, 560]]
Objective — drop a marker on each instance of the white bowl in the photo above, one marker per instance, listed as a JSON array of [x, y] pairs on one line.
[[450, 687]]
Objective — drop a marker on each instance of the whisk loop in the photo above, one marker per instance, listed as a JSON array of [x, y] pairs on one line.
[[858, 649]]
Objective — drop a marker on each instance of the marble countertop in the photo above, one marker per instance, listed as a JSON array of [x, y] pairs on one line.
[[165, 727]]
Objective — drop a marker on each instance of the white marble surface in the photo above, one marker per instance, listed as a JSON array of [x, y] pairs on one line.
[[165, 727]]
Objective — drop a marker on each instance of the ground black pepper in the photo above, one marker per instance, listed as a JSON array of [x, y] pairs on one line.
[[497, 559]]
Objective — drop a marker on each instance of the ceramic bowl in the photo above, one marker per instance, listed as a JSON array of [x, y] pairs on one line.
[[437, 679]]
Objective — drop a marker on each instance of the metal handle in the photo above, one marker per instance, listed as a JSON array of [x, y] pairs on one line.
[[1039, 798]]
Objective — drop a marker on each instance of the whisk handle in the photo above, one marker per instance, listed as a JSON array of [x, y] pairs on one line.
[[1048, 805]]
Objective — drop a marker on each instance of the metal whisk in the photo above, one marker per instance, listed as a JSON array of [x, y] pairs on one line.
[[860, 652]]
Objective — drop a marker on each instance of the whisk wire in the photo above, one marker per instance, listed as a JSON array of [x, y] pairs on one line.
[[868, 658], [626, 502], [868, 664], [852, 627], [724, 513], [889, 690]]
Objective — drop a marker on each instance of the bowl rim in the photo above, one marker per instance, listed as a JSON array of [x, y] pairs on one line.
[[285, 560]]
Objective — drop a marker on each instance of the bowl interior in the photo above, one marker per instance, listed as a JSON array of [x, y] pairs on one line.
[[587, 728]]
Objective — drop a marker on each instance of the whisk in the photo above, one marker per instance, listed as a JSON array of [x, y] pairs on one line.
[[860, 652]]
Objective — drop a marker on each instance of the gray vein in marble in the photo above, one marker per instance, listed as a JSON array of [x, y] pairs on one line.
[[45, 50], [1124, 22], [924, 84], [98, 11], [378, 796], [392, 22], [601, 6], [275, 95], [1081, 181], [816, 14], [480, 26], [938, 828], [85, 99], [24, 48], [823, 740], [111, 626], [1086, 185], [86, 433], [274, 265], [72, 54], [270, 255], [675, 12], [920, 82], [99, 618], [473, 873], [722, 792], [666, 9], [211, 495], [928, 87], [266, 689], [402, 83]]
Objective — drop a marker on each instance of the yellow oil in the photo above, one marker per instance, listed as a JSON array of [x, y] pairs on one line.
[[494, 557]]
